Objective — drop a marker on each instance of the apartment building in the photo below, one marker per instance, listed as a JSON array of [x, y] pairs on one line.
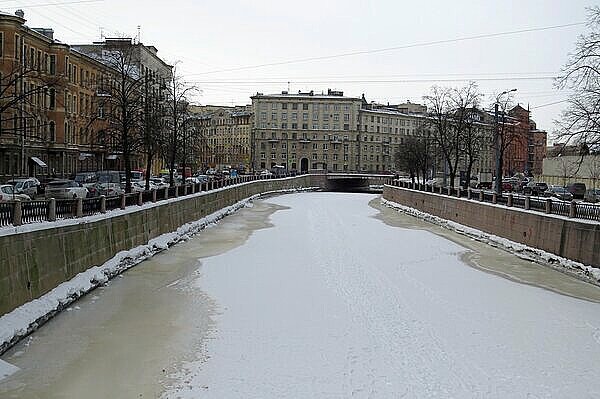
[[48, 118], [306, 131], [223, 135], [51, 122], [384, 129]]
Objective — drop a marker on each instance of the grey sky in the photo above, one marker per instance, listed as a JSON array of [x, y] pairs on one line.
[[211, 36]]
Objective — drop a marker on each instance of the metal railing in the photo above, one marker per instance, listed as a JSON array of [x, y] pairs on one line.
[[21, 212], [553, 206]]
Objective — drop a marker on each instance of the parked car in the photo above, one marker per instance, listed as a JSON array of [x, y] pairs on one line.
[[535, 188], [28, 186], [266, 173], [159, 182], [87, 179], [592, 195], [435, 182], [140, 186], [106, 189], [8, 193], [558, 192], [65, 189], [577, 189]]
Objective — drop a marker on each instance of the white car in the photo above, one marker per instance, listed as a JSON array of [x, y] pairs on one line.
[[7, 193], [159, 182], [65, 189], [140, 186]]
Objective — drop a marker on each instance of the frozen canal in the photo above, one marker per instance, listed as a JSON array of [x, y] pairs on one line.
[[321, 295]]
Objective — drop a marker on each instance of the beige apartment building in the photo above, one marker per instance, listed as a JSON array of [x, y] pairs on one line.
[[306, 131], [224, 134]]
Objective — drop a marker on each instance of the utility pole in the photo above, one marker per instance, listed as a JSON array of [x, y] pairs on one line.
[[499, 141], [21, 93], [497, 144]]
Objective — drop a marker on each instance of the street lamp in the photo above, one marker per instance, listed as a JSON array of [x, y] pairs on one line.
[[498, 142]]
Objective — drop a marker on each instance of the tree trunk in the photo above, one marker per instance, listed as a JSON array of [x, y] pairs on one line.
[[149, 158]]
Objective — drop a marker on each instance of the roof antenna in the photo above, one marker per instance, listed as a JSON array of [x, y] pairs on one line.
[[139, 35], [101, 33], [288, 86]]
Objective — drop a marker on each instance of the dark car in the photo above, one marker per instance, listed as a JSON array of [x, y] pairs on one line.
[[577, 190], [558, 192], [535, 188], [592, 195]]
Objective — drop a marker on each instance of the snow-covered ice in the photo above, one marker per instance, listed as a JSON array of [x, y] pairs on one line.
[[332, 303], [28, 317]]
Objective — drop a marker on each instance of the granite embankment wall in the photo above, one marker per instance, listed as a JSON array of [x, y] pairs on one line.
[[34, 262], [570, 238]]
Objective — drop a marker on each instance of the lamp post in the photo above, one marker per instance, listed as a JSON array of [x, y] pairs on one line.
[[498, 143]]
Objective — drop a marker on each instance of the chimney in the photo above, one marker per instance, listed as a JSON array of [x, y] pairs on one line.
[[19, 13]]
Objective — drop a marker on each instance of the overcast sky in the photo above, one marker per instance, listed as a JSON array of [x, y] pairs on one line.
[[210, 37]]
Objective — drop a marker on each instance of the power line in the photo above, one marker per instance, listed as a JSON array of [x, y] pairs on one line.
[[548, 104], [54, 4], [402, 47], [373, 81]]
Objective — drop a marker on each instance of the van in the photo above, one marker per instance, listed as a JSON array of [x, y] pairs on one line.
[[577, 189]]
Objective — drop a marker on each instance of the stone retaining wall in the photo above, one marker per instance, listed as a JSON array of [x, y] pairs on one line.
[[33, 263], [570, 238]]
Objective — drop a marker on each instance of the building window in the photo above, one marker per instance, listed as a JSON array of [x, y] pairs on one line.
[[294, 105], [305, 116], [325, 146], [284, 116], [305, 107], [305, 126], [284, 125], [284, 106], [273, 155], [263, 155], [314, 156]]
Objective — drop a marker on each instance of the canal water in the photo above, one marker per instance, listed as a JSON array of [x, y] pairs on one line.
[[323, 295]]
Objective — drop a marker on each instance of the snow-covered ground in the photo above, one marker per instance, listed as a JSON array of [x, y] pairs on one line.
[[332, 303]]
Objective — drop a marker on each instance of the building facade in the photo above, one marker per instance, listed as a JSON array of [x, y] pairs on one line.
[[224, 135], [306, 131], [51, 124]]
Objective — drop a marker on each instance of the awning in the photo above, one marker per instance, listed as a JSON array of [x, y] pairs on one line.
[[112, 156], [39, 162]]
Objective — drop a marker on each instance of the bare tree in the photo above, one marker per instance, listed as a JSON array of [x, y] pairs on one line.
[[567, 169], [122, 103], [153, 134], [465, 101], [580, 122], [442, 127], [28, 86], [179, 93], [414, 157]]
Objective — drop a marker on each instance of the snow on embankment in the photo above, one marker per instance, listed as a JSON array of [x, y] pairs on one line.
[[577, 269], [29, 317]]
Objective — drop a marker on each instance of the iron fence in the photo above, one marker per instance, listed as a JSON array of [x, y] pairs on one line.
[[41, 210], [113, 203], [587, 211], [6, 213], [91, 206], [34, 211], [557, 207], [65, 208]]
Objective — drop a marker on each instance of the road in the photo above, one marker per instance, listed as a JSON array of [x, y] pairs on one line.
[[321, 295]]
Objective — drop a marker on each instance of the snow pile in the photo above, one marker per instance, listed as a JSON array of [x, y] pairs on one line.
[[571, 267], [27, 318]]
